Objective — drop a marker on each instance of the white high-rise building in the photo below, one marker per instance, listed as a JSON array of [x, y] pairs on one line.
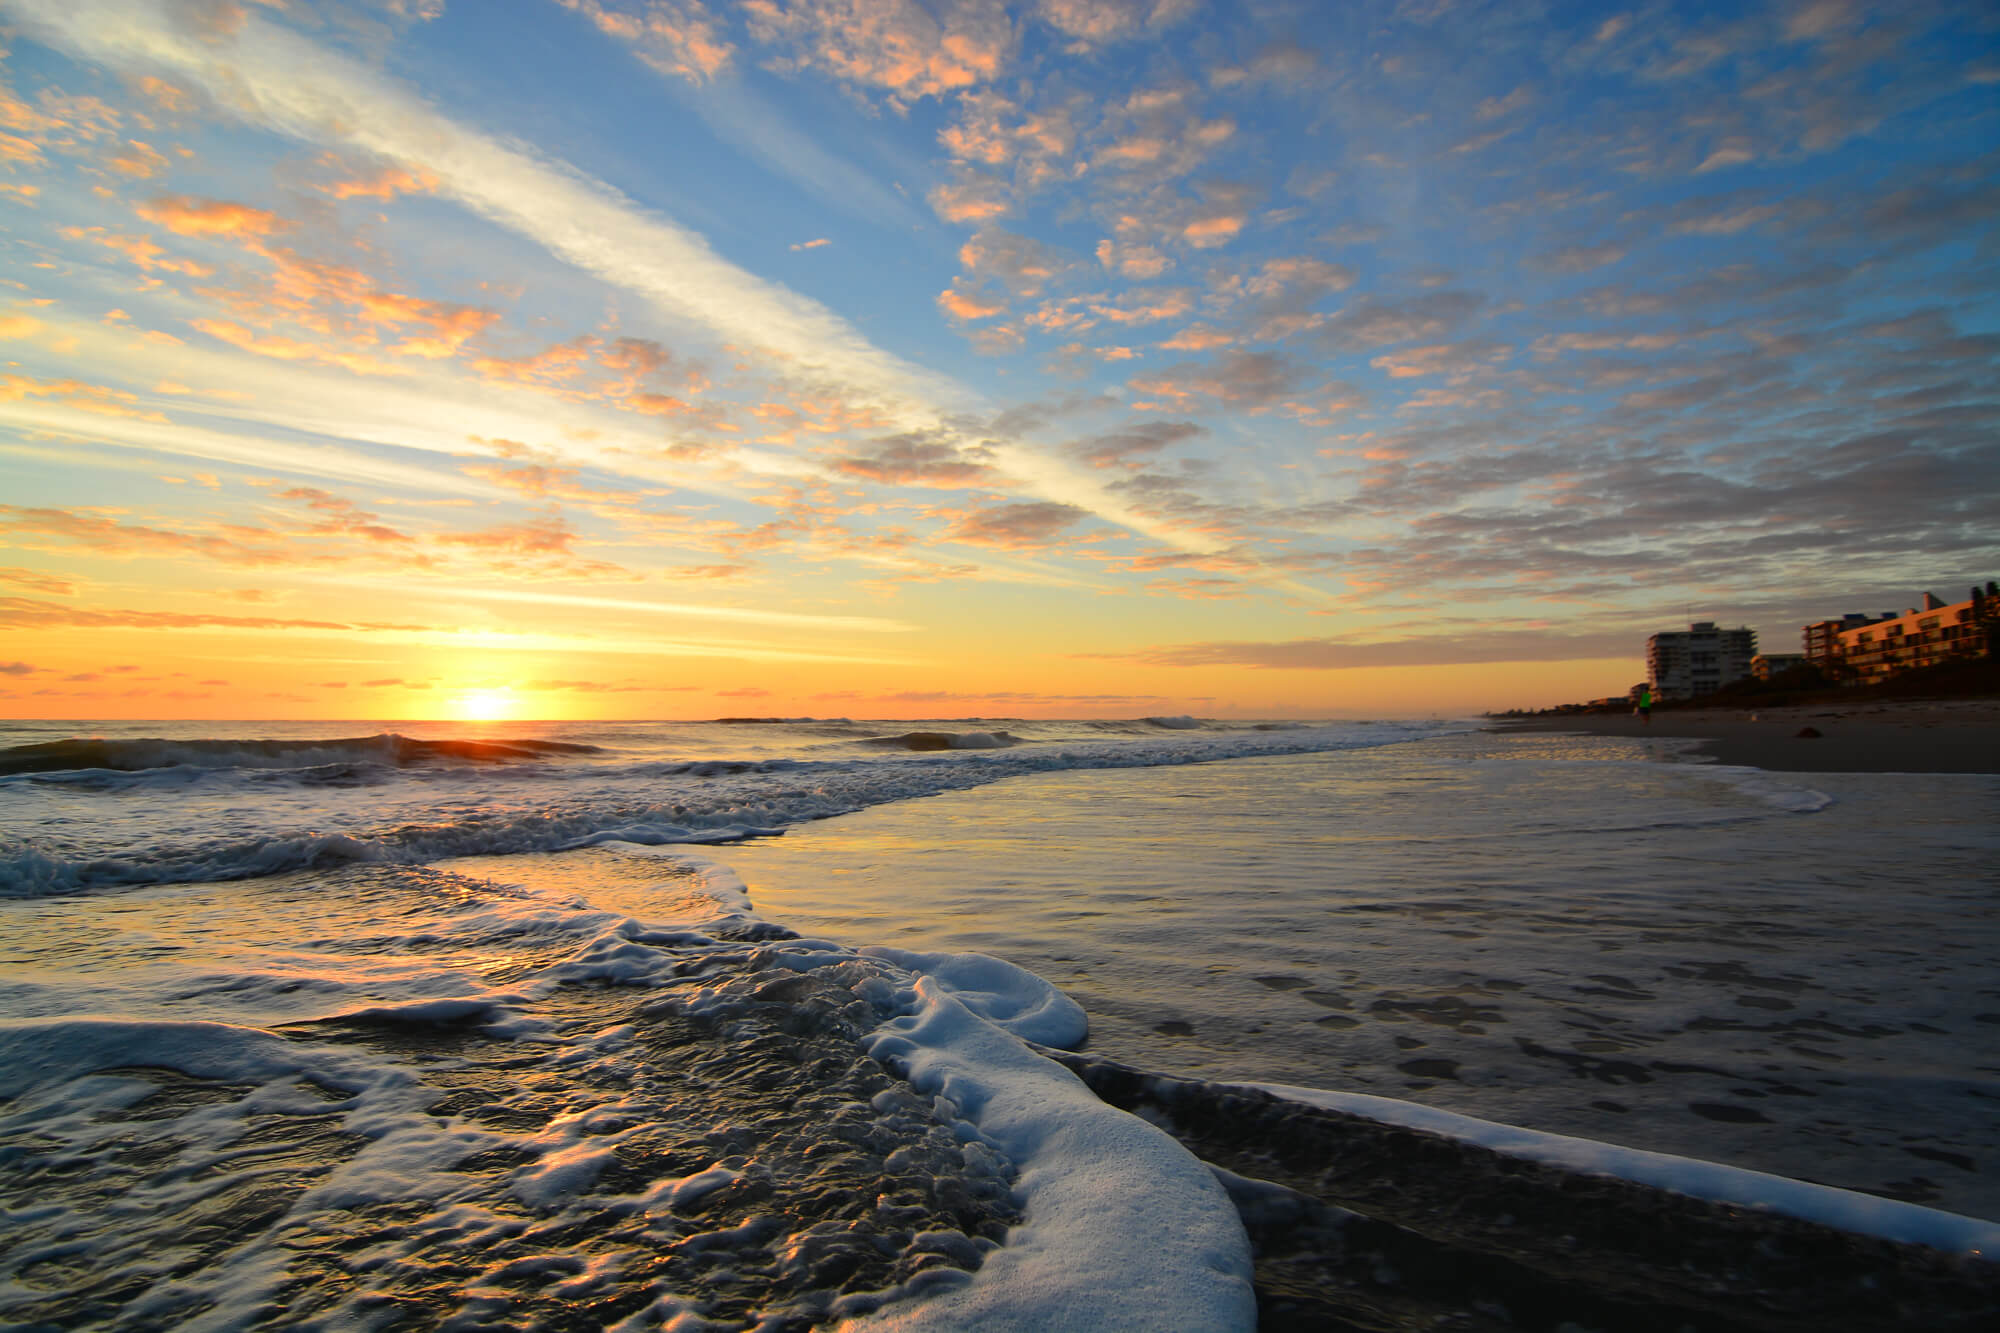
[[1700, 661]]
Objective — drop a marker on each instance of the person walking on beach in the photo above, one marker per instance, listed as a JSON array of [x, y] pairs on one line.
[[1645, 708]]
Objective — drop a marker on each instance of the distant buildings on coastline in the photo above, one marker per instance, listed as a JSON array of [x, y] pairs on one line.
[[1700, 661], [1855, 649]]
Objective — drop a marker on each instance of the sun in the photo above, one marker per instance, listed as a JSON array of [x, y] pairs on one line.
[[484, 705]]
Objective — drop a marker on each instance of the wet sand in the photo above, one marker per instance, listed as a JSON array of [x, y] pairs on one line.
[[1950, 736]]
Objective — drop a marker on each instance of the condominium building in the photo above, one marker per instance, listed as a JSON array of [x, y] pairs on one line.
[[1699, 661], [1822, 637], [1921, 636]]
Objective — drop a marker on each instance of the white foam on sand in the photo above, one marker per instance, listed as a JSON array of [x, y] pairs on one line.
[[1844, 1210], [1111, 1203]]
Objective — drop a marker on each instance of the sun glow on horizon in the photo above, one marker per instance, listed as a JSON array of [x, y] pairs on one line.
[[495, 705]]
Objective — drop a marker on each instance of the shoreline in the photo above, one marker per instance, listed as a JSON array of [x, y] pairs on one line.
[[1946, 736]]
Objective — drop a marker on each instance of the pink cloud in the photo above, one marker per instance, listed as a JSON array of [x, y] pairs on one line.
[[187, 216], [906, 49], [963, 305], [677, 37]]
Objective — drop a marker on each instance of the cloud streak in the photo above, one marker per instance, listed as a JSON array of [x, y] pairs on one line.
[[287, 84], [284, 83]]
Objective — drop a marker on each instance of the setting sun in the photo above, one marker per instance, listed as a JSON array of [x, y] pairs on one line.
[[484, 705]]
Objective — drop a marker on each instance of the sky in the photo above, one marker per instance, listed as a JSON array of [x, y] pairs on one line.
[[935, 358]]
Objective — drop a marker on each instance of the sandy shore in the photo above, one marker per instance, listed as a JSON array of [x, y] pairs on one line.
[[1952, 736]]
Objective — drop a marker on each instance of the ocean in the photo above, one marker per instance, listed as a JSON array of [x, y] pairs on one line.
[[748, 1023]]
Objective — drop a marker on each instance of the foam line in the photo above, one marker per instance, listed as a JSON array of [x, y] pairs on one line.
[[1106, 1196]]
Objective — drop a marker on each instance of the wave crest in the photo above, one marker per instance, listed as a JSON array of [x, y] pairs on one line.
[[947, 740], [389, 748]]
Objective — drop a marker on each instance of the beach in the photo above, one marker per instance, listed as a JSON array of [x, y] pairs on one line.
[[773, 1024], [1942, 736]]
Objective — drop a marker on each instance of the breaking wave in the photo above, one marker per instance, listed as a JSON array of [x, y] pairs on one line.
[[145, 753]]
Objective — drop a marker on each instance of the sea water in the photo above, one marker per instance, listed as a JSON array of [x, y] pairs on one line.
[[620, 1020]]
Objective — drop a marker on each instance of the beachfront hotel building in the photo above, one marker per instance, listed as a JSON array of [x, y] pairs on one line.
[[1700, 660], [1822, 637], [1920, 637]]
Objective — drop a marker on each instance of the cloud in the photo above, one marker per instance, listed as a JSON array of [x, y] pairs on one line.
[[341, 515], [1097, 21], [549, 535], [384, 183], [1296, 282], [37, 527], [707, 572], [554, 364], [301, 288], [1158, 135], [1278, 63], [903, 48], [1726, 222], [283, 348], [540, 481], [1455, 359], [1025, 526], [1198, 338], [449, 326], [276, 78], [97, 399], [1213, 228], [1578, 258], [1242, 379], [1335, 654], [1728, 155], [686, 610], [1144, 305], [916, 460], [1370, 323], [26, 612], [1144, 262], [141, 250], [974, 199], [600, 687], [1020, 264], [963, 305], [141, 161], [676, 37], [36, 580], [1123, 448], [211, 217], [17, 669], [417, 412], [1497, 108]]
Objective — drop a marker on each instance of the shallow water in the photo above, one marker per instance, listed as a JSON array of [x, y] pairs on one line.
[[1575, 935]]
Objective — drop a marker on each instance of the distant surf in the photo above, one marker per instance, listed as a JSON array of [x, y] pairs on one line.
[[141, 753], [106, 811]]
